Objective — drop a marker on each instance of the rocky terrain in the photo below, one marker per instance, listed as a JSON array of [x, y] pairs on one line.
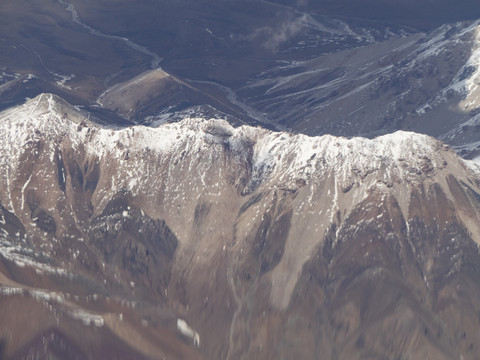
[[239, 179], [310, 68], [200, 240]]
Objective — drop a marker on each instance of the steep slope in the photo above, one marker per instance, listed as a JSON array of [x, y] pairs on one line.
[[200, 240], [423, 83], [81, 50], [309, 68]]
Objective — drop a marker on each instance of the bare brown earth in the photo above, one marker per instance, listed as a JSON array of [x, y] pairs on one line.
[[104, 250], [110, 237]]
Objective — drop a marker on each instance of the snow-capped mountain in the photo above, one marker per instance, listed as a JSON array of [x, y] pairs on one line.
[[239, 179], [201, 240], [310, 69], [422, 82]]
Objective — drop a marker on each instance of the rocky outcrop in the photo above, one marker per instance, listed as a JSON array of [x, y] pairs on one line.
[[268, 244]]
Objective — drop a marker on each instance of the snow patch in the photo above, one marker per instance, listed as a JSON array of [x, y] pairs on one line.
[[88, 318], [186, 330]]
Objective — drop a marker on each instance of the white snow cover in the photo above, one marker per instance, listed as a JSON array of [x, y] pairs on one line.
[[23, 256], [279, 156], [88, 318], [186, 330], [292, 156], [467, 79], [165, 159]]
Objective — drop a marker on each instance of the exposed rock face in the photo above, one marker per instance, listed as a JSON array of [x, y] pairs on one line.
[[268, 245]]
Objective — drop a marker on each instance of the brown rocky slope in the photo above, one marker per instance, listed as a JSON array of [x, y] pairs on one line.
[[200, 240]]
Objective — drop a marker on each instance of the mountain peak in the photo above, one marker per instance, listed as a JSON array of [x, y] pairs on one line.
[[280, 157], [152, 212]]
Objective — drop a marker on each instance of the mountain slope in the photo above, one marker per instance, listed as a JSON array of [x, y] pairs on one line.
[[422, 82], [262, 244], [310, 68]]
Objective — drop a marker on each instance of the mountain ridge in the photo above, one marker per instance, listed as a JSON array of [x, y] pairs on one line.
[[144, 215], [193, 220]]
